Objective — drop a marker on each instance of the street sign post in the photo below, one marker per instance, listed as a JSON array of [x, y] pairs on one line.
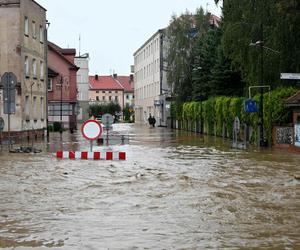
[[1, 129], [107, 120], [9, 81], [250, 106], [91, 130]]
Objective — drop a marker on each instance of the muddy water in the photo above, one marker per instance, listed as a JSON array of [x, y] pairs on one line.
[[175, 191]]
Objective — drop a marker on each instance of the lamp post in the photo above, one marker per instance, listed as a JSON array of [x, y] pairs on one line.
[[260, 43]]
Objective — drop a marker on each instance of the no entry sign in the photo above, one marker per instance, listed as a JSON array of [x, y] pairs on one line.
[[91, 130]]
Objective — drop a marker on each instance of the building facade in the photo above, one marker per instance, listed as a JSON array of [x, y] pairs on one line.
[[150, 82], [127, 83], [105, 89], [62, 86], [82, 61], [23, 52]]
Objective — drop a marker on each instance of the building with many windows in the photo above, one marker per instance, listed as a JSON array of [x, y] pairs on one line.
[[106, 89], [150, 81], [127, 83], [82, 61], [62, 86], [22, 52]]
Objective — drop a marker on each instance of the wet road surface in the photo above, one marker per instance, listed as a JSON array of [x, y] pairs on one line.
[[176, 190]]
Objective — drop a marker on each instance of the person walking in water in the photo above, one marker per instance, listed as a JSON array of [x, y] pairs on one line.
[[150, 119], [153, 121]]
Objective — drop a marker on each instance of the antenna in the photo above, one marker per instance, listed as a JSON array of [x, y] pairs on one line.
[[79, 44]]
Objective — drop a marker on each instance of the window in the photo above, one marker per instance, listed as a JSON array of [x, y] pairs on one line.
[[103, 92], [116, 92], [33, 30], [26, 26], [97, 98], [27, 105], [50, 88], [127, 97], [97, 91], [26, 66], [42, 70], [103, 98], [34, 68], [41, 34], [110, 98], [42, 109], [109, 91], [116, 98], [34, 105]]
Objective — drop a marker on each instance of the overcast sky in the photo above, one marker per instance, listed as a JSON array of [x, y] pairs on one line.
[[112, 30]]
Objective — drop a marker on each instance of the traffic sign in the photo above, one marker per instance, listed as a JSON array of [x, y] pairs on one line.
[[290, 76], [250, 106], [1, 124], [9, 81], [91, 130], [107, 120]]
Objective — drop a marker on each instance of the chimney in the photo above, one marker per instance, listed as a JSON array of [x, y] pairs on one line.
[[96, 77], [115, 75], [131, 78]]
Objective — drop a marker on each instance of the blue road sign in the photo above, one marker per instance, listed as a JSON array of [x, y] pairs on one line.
[[250, 106]]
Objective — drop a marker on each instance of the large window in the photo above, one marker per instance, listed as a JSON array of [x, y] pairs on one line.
[[26, 26], [26, 62], [34, 68], [41, 34], [33, 30], [42, 108], [26, 105], [42, 70], [50, 84]]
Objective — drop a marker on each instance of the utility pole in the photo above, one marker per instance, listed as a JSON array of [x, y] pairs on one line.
[[61, 122]]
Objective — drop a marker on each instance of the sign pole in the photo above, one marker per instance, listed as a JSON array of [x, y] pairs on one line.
[[91, 146], [8, 115]]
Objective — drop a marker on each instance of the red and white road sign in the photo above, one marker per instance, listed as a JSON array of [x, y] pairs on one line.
[[91, 130]]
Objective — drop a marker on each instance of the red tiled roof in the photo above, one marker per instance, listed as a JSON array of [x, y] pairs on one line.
[[104, 82], [126, 83]]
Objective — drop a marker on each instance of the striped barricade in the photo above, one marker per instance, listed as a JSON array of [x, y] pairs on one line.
[[107, 155]]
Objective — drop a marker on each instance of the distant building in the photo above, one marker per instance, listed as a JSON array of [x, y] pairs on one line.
[[127, 83], [150, 82], [22, 52], [62, 86], [82, 61], [106, 89]]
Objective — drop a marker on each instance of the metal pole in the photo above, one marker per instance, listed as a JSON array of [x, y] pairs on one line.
[[9, 109], [91, 146], [46, 75], [261, 90], [61, 85]]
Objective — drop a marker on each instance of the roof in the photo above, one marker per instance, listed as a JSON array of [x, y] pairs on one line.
[[214, 20], [294, 100], [62, 52], [160, 31], [104, 83], [126, 83]]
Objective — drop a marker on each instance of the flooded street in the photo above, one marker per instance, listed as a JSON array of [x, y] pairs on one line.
[[176, 190]]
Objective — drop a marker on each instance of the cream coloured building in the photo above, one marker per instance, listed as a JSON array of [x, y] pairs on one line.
[[151, 87], [22, 52]]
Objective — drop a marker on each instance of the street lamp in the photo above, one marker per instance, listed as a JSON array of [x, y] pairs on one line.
[[261, 45]]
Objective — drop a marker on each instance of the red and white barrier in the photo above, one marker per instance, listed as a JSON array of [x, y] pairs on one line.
[[108, 155]]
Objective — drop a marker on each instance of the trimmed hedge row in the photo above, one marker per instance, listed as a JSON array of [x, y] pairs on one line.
[[221, 110]]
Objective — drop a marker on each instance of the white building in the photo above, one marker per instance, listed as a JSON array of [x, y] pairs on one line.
[[82, 62], [151, 87]]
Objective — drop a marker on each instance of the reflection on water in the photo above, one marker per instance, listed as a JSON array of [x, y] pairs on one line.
[[176, 190]]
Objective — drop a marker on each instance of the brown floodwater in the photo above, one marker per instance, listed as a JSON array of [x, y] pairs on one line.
[[176, 190]]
